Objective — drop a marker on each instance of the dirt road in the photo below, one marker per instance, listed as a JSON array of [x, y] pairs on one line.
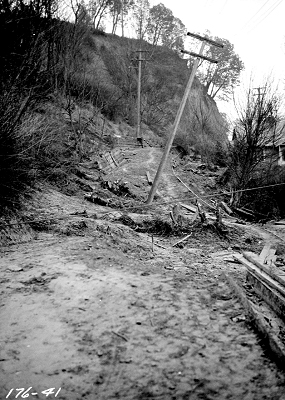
[[95, 312]]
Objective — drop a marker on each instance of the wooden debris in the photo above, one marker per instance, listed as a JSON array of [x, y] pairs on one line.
[[282, 222], [245, 213], [113, 159], [190, 190], [266, 291], [272, 271], [181, 240], [175, 214], [218, 214], [266, 284], [149, 179], [201, 212], [108, 161], [271, 258], [159, 245], [156, 243], [189, 208], [226, 208], [264, 253], [263, 327]]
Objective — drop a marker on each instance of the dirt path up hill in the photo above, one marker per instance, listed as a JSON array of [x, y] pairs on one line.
[[95, 312]]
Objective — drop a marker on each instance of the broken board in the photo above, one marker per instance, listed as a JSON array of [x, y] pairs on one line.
[[266, 283]]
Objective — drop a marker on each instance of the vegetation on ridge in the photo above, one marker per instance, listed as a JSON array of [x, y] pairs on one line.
[[61, 82]]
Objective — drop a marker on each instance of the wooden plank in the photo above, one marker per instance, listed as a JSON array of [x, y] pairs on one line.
[[189, 208], [268, 294], [120, 157], [271, 339], [271, 257], [282, 222], [272, 271], [264, 252], [181, 240], [226, 208], [110, 160], [201, 212], [113, 158], [262, 274], [246, 213]]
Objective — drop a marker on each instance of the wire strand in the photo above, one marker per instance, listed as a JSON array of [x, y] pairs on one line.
[[142, 206]]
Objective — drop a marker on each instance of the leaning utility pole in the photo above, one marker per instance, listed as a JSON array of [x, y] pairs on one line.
[[181, 108]]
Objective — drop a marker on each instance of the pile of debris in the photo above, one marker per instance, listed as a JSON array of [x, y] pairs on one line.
[[263, 297]]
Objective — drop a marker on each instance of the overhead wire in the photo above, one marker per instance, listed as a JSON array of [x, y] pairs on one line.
[[257, 12], [257, 18], [223, 7], [144, 205], [273, 7]]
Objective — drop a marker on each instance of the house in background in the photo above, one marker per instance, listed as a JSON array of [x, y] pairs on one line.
[[274, 148], [271, 143]]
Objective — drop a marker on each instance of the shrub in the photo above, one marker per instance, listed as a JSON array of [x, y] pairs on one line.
[[268, 201], [14, 162]]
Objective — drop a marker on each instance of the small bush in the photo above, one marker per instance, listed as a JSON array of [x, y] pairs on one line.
[[268, 201], [14, 160]]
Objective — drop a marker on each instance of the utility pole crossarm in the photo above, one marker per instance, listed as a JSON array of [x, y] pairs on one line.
[[200, 56], [205, 39], [163, 161]]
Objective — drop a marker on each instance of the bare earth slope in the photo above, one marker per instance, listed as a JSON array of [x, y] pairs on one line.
[[88, 307]]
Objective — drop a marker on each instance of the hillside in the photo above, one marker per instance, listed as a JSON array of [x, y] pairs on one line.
[[102, 295], [88, 101], [164, 77]]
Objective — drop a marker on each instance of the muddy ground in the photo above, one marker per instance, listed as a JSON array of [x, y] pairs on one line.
[[93, 307]]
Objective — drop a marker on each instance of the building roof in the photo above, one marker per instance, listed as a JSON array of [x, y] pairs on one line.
[[272, 137], [277, 135]]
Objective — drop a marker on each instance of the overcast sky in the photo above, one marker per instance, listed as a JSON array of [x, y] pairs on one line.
[[256, 28]]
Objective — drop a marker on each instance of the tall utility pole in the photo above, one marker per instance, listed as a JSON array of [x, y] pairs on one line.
[[139, 136], [181, 108], [140, 60], [140, 51], [259, 94], [259, 91]]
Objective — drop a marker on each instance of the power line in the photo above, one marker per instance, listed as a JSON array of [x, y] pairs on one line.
[[246, 28], [223, 7], [141, 206], [254, 14], [274, 6]]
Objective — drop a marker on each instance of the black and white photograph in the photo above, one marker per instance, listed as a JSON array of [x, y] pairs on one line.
[[142, 199]]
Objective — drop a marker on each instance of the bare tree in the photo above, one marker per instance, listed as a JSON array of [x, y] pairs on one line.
[[119, 10], [97, 10], [255, 130], [141, 18]]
